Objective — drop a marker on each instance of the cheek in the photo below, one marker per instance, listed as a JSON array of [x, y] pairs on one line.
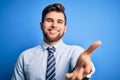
[[45, 27], [47, 24], [64, 29]]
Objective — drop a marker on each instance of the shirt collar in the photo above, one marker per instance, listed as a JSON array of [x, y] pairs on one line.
[[45, 45]]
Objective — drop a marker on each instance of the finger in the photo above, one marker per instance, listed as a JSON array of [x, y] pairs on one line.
[[80, 74], [88, 69], [93, 47], [77, 74], [68, 75]]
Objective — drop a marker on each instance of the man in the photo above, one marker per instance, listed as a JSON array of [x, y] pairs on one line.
[[53, 59]]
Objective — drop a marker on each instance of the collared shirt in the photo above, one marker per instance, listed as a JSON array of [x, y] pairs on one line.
[[31, 64]]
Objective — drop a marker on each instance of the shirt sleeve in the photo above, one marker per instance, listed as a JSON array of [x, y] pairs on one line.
[[18, 73], [76, 53]]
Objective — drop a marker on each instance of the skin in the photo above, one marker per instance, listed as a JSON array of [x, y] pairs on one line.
[[83, 66], [53, 29]]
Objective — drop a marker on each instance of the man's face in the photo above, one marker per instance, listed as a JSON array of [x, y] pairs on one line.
[[53, 26]]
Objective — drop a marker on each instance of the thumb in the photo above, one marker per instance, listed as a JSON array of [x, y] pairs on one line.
[[68, 75], [93, 47]]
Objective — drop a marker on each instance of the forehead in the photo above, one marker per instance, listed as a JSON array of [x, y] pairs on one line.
[[55, 15]]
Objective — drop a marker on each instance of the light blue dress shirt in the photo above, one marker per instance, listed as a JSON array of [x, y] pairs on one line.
[[31, 64]]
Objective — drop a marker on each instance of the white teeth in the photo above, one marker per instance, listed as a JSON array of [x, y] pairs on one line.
[[53, 31]]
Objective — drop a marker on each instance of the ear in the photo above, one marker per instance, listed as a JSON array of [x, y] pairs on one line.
[[41, 25]]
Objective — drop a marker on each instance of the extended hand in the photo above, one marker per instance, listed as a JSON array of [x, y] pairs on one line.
[[83, 66]]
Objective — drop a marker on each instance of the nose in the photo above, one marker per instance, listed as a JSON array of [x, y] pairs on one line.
[[54, 24]]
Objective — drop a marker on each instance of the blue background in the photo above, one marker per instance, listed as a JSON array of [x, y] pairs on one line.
[[88, 21]]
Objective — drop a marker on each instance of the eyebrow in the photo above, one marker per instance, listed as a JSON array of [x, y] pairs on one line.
[[52, 19], [61, 20]]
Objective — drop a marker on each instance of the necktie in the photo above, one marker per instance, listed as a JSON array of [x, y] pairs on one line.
[[50, 72]]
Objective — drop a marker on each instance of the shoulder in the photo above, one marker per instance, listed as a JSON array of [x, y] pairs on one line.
[[75, 48], [31, 51]]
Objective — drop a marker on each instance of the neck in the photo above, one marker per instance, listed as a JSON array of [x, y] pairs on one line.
[[52, 43]]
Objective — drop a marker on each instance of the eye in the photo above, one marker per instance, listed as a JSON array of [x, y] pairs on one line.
[[48, 20], [60, 21]]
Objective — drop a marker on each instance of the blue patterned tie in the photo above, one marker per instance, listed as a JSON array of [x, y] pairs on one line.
[[50, 71]]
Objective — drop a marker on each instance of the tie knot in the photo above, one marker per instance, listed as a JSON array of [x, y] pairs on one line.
[[51, 49]]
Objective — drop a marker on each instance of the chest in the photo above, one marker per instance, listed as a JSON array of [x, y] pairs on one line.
[[36, 67]]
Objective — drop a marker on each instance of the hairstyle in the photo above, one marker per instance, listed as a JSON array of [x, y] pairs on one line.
[[53, 7]]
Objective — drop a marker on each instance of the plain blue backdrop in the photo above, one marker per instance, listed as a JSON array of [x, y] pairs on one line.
[[87, 21]]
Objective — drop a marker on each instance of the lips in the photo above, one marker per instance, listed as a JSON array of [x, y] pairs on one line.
[[53, 31]]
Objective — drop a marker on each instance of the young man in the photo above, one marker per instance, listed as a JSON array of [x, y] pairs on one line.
[[53, 59]]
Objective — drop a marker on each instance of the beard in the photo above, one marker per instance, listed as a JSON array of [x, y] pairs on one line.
[[52, 39]]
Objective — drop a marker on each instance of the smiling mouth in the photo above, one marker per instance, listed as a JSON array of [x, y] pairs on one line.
[[53, 31]]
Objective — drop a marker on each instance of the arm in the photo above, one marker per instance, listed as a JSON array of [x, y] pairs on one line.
[[18, 73], [83, 66]]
